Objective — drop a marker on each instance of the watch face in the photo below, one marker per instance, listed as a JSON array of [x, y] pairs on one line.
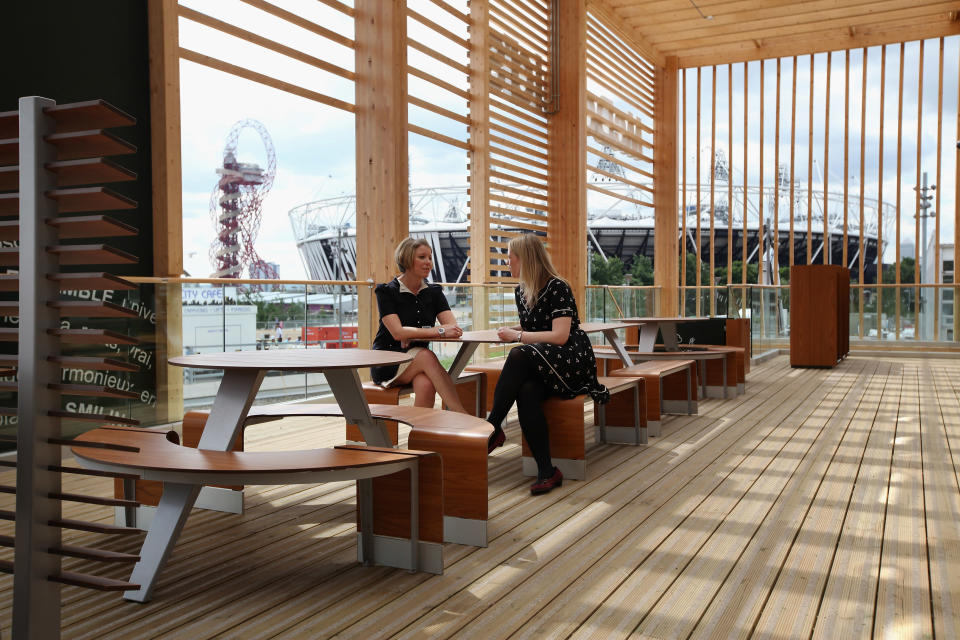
[[441, 330]]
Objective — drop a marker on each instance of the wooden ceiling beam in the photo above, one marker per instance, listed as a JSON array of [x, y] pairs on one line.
[[814, 11], [837, 39], [892, 12]]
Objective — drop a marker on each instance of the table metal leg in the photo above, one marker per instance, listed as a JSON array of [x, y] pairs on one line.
[[648, 337], [237, 390], [460, 361], [348, 391], [618, 348]]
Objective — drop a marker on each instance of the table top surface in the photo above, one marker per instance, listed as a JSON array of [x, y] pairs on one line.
[[675, 319], [292, 359], [490, 335]]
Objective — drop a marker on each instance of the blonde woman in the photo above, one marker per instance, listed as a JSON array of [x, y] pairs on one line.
[[409, 309], [555, 359]]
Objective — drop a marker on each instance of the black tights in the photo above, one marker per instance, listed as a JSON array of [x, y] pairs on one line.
[[520, 382]]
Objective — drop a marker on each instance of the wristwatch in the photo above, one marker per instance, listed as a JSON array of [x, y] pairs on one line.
[[441, 331]]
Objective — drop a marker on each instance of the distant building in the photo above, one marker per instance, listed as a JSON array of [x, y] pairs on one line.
[[945, 321]]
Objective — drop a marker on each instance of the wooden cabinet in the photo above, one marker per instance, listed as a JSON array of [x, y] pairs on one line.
[[819, 315]]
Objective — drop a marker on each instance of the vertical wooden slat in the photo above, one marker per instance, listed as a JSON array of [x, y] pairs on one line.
[[746, 183], [775, 230], [763, 104], [846, 155], [166, 174], [899, 178], [918, 223], [956, 220], [713, 184], [665, 188], [699, 161], [730, 174], [793, 158], [883, 85], [683, 214], [810, 167], [382, 154], [863, 166], [827, 243], [479, 159], [937, 293], [567, 224]]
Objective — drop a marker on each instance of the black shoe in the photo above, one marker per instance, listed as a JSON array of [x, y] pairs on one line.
[[544, 485], [497, 438]]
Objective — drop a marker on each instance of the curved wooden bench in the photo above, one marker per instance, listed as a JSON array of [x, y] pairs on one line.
[[460, 439], [655, 373], [470, 387], [154, 455]]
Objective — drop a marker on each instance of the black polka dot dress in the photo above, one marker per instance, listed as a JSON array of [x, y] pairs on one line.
[[570, 369]]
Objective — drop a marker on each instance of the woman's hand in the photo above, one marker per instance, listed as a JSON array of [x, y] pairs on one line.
[[451, 331], [509, 334]]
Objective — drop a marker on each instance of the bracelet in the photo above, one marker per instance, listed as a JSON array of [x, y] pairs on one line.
[[520, 337]]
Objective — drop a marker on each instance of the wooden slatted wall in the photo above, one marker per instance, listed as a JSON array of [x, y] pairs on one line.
[[517, 39], [620, 114], [854, 129]]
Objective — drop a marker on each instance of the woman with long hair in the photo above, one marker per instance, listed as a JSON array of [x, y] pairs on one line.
[[555, 357], [409, 308]]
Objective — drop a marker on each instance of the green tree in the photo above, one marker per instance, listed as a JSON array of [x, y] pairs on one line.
[[691, 271], [642, 271], [609, 271]]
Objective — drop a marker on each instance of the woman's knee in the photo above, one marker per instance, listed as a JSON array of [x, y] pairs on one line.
[[427, 360]]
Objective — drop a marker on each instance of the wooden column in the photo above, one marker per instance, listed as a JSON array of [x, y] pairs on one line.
[[666, 247], [167, 201], [479, 161], [567, 221], [381, 138]]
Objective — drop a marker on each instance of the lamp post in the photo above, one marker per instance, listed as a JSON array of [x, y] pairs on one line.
[[924, 211]]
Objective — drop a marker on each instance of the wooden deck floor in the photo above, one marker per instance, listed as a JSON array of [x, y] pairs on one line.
[[821, 504]]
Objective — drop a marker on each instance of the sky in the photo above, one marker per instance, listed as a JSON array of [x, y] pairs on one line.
[[314, 143]]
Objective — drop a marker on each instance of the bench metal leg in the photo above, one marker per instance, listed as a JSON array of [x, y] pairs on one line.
[[172, 512], [365, 505], [414, 517]]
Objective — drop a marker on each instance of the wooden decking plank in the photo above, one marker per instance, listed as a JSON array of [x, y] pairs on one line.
[[557, 560], [698, 577], [903, 589], [794, 599], [940, 412], [478, 563], [846, 604], [744, 595], [607, 495]]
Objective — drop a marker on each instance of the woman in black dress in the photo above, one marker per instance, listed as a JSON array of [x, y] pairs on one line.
[[556, 358], [409, 307]]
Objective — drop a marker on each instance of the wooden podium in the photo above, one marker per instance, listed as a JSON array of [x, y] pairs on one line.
[[819, 315]]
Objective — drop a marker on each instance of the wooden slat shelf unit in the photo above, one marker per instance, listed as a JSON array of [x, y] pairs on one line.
[[83, 199], [89, 114], [88, 171], [91, 309], [96, 226], [9, 124], [9, 282], [94, 362], [9, 204], [103, 418], [97, 281], [90, 553], [71, 173], [75, 227], [92, 336], [93, 390], [92, 582], [76, 254], [9, 178], [9, 151], [89, 144]]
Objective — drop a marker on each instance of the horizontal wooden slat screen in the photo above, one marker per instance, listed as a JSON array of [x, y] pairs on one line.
[[438, 99], [518, 63], [619, 126], [826, 158]]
